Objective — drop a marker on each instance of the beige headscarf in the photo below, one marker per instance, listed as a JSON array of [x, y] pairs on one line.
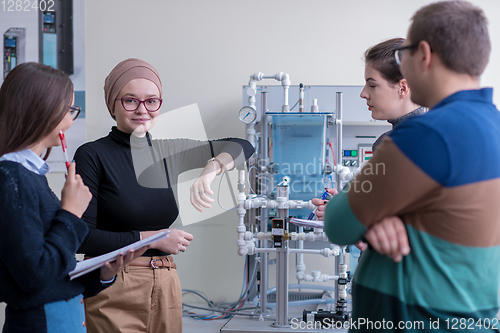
[[124, 72]]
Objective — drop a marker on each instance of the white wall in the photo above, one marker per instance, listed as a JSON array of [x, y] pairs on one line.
[[206, 50]]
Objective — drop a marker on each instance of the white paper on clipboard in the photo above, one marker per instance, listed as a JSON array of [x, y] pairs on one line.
[[308, 223], [89, 265]]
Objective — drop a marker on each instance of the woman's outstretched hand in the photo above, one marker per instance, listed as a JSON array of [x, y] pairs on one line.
[[176, 242], [200, 191]]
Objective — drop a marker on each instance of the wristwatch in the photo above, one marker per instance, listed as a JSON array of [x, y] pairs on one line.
[[220, 164]]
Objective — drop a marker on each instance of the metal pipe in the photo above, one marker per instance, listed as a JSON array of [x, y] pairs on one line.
[[263, 144], [263, 212], [282, 194], [308, 251], [265, 250], [338, 122], [281, 287], [337, 272], [301, 97], [339, 136], [323, 148]]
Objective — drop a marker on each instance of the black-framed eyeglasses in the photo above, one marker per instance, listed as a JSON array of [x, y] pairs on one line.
[[398, 54], [132, 104], [75, 111]]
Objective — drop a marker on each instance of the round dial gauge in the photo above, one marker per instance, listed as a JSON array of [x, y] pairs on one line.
[[247, 114]]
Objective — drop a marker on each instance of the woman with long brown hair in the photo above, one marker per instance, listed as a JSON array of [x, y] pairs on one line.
[[388, 97], [41, 234], [387, 93]]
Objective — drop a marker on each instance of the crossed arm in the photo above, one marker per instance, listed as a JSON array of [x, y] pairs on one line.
[[387, 237]]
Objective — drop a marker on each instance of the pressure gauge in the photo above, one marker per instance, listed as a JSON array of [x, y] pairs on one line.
[[247, 114]]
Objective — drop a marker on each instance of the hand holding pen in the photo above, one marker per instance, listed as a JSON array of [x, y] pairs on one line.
[[321, 203], [75, 196], [323, 198], [64, 146]]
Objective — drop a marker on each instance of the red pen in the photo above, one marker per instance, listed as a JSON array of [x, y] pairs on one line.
[[64, 145]]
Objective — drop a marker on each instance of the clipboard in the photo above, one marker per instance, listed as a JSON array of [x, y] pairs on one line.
[[89, 265], [307, 223]]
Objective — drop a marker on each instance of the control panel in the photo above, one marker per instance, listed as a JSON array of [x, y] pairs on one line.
[[13, 49]]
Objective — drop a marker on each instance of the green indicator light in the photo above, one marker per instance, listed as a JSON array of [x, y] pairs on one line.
[[354, 153], [367, 158]]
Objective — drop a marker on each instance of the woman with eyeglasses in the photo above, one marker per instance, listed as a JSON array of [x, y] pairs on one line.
[[133, 179], [40, 234]]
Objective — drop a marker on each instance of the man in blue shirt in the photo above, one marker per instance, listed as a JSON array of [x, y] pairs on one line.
[[444, 190]]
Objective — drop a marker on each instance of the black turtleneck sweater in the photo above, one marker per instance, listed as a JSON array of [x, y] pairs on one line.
[[134, 183], [397, 121]]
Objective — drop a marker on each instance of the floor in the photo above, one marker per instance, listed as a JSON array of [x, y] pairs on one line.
[[190, 325], [234, 325], [241, 324]]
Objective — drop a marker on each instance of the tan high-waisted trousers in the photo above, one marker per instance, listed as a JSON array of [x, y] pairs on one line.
[[142, 299]]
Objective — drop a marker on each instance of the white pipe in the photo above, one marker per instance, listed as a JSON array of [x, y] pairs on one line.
[[310, 236], [269, 77], [285, 82], [303, 236], [251, 247], [248, 236], [301, 267], [299, 204], [316, 276], [326, 252], [250, 132], [344, 172], [251, 91], [242, 244], [257, 76], [264, 235]]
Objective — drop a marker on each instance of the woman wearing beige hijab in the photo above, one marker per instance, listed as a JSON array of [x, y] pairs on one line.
[[133, 180]]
